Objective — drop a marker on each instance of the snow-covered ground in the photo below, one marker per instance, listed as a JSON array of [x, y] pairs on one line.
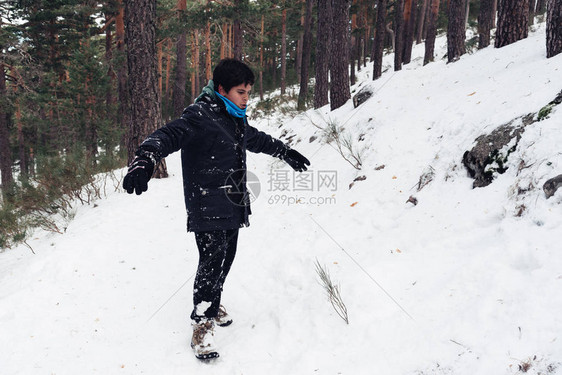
[[457, 284]]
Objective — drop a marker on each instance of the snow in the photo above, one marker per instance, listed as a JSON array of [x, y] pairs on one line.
[[457, 284]]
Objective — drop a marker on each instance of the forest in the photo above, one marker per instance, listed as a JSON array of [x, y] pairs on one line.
[[82, 82]]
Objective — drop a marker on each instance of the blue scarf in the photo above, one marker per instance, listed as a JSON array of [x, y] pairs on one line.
[[232, 108]]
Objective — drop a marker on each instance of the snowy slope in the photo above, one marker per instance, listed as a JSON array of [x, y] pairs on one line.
[[454, 285]]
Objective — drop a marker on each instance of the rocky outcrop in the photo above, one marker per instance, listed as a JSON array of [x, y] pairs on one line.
[[552, 185], [362, 96], [491, 152]]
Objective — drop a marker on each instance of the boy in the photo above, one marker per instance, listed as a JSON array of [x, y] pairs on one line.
[[213, 135]]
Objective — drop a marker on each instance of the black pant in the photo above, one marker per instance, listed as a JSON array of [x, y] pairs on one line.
[[217, 249]]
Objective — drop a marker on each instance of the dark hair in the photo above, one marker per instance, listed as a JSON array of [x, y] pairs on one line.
[[230, 72]]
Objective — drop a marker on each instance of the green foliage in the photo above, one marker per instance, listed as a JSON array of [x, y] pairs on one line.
[[545, 112], [47, 199]]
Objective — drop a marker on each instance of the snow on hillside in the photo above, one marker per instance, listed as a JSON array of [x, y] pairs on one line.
[[457, 284]]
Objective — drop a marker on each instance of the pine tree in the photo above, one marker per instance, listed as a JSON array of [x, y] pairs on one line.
[[553, 28], [339, 63], [513, 20], [307, 46], [379, 39], [180, 79], [323, 53], [431, 32], [398, 34], [5, 149], [140, 17], [456, 30], [485, 21]]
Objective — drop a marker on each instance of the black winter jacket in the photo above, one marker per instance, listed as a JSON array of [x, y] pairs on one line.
[[213, 150]]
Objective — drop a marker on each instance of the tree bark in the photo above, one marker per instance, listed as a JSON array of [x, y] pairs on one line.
[[380, 34], [495, 13], [456, 31], [513, 20], [339, 63], [237, 31], [485, 20], [140, 34], [283, 51], [541, 6], [5, 149], [553, 28], [532, 4], [324, 33], [307, 46], [208, 54], [431, 32], [195, 64], [123, 111], [421, 20], [409, 24], [261, 56], [398, 34], [352, 46], [180, 79]]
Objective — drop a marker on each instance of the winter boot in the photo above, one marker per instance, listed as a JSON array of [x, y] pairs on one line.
[[202, 341], [223, 319]]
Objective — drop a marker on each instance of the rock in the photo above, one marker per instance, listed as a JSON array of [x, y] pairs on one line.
[[491, 152], [552, 185], [362, 96], [413, 200]]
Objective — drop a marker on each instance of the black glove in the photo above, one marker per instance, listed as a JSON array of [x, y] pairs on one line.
[[140, 171], [295, 160]]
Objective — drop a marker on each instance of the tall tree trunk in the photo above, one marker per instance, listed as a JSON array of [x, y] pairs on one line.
[[208, 55], [398, 34], [261, 56], [237, 31], [123, 111], [323, 53], [283, 51], [485, 22], [409, 24], [532, 4], [421, 20], [541, 6], [140, 34], [195, 89], [180, 79], [380, 34], [5, 149], [553, 28], [22, 149], [298, 60], [224, 40], [159, 59], [495, 13], [466, 13], [456, 31], [352, 45], [109, 100], [307, 46], [431, 32], [513, 20], [339, 63]]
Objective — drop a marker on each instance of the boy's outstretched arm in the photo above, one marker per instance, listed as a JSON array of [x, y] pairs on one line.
[[164, 141], [259, 141]]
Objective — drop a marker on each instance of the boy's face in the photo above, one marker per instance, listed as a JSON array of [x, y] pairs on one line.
[[238, 95]]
